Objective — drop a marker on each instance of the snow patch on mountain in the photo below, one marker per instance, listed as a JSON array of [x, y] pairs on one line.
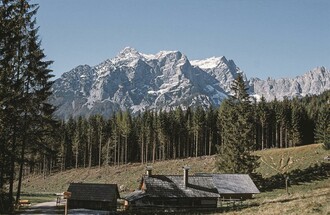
[[208, 63], [137, 82]]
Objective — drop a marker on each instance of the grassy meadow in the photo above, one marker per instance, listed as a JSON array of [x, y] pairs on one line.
[[309, 180]]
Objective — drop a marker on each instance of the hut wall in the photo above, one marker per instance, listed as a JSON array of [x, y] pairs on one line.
[[93, 205], [177, 202], [240, 196]]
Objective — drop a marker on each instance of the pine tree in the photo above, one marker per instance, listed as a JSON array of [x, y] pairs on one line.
[[237, 132], [162, 134], [210, 131], [180, 132], [76, 146], [153, 135], [11, 62], [263, 114], [24, 86], [322, 129], [297, 120], [188, 148], [101, 135], [198, 125]]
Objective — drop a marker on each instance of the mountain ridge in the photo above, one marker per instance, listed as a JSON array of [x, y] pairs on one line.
[[137, 82]]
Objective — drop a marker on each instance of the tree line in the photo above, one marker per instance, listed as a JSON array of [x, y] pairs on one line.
[[159, 135]]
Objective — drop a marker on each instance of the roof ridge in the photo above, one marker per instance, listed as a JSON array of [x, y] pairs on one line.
[[191, 175]]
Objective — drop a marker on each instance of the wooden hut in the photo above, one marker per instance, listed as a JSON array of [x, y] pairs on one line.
[[168, 191], [93, 196], [195, 191]]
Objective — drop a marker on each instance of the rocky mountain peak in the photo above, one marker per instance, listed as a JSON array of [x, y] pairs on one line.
[[128, 52], [128, 56], [136, 82]]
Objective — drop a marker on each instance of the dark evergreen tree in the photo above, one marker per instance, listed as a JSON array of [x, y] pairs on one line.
[[322, 130], [198, 126], [237, 132], [211, 130], [178, 131], [298, 117], [263, 115], [24, 88]]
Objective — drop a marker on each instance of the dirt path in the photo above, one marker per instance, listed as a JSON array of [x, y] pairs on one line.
[[49, 208], [43, 209]]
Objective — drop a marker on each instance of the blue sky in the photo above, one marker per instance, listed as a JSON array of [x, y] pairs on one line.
[[265, 38]]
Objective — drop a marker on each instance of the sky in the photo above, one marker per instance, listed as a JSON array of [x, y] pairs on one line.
[[265, 38]]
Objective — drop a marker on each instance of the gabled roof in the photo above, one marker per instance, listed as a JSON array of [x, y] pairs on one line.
[[199, 185], [93, 192], [234, 183], [171, 186]]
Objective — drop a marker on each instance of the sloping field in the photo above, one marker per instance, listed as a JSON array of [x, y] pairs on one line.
[[272, 162], [306, 198], [126, 176], [309, 190]]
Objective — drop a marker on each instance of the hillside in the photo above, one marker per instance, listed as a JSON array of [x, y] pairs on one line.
[[274, 161], [127, 177], [309, 190], [306, 198]]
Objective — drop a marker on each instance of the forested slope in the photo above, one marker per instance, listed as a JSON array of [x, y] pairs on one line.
[[154, 136]]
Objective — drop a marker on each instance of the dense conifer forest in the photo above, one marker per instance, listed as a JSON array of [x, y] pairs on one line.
[[152, 136]]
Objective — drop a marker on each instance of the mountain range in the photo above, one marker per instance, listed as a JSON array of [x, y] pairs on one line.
[[137, 82]]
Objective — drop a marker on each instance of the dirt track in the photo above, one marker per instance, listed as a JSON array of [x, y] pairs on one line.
[[43, 209], [49, 208]]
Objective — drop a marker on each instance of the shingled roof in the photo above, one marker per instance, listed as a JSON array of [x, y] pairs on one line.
[[137, 194], [233, 183], [199, 185], [93, 192], [172, 186]]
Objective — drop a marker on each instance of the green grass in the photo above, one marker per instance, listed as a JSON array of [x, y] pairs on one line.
[[274, 161], [126, 176], [306, 198], [36, 198], [309, 193]]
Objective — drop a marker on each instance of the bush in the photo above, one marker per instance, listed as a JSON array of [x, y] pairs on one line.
[[6, 203]]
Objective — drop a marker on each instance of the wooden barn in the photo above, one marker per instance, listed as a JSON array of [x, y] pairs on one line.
[[93, 196], [195, 191]]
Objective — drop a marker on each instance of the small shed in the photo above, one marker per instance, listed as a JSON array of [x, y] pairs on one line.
[[93, 196]]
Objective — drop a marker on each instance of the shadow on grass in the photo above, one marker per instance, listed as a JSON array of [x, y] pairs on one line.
[[313, 173]]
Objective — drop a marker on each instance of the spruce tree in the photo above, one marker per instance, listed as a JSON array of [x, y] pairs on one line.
[[322, 128], [198, 125], [179, 131], [211, 126], [237, 132], [297, 122], [262, 114], [24, 87]]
